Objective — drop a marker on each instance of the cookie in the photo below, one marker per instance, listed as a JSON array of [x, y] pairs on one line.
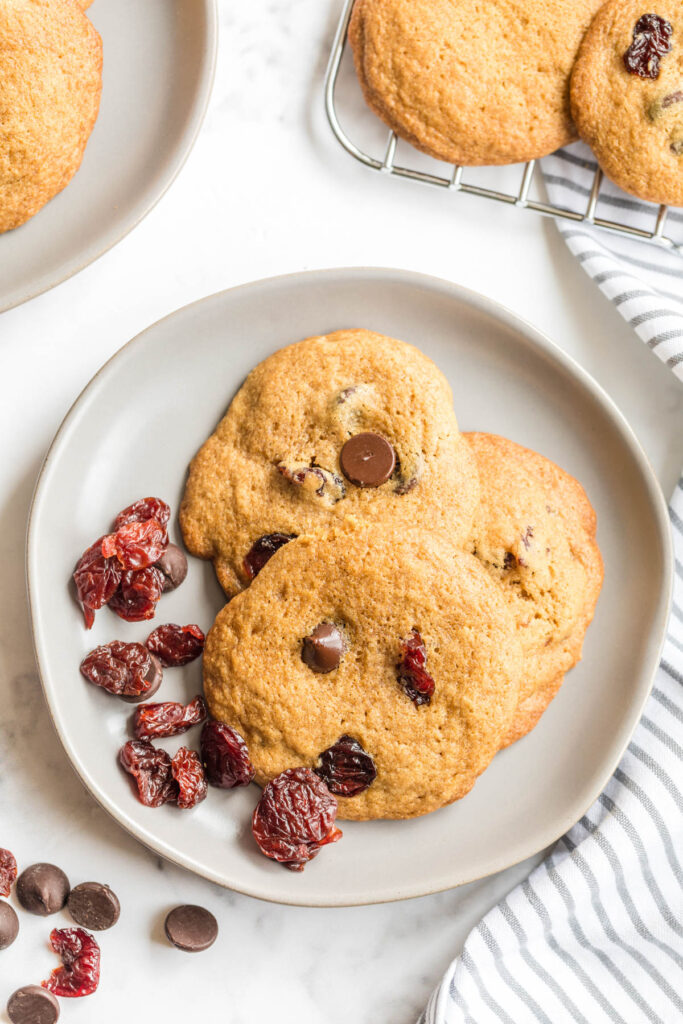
[[534, 532], [376, 588], [347, 424], [472, 82], [50, 84], [627, 97]]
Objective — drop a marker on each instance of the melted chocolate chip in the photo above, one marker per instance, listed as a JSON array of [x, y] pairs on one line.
[[367, 460], [173, 565], [9, 925], [32, 1005], [191, 928], [94, 906], [42, 889], [323, 649]]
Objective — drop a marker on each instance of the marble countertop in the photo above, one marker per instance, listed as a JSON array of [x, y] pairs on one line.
[[266, 191]]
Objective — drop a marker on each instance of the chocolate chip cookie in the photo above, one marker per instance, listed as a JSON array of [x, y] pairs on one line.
[[386, 660], [534, 532], [50, 84], [349, 424], [627, 96], [472, 82]]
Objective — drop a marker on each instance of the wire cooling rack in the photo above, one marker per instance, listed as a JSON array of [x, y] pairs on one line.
[[521, 196]]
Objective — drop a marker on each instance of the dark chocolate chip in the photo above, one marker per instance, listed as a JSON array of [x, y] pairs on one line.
[[173, 565], [94, 906], [9, 925], [42, 889], [191, 928], [154, 677], [322, 650], [367, 460], [32, 1005]]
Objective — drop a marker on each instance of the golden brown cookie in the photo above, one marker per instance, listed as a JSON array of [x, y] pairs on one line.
[[534, 532], [286, 458], [472, 82], [633, 119], [375, 587], [50, 84]]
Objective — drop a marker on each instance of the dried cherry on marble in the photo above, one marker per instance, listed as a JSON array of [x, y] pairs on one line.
[[79, 974], [8, 871]]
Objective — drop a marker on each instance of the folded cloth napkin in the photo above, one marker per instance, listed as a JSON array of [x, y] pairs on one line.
[[595, 934]]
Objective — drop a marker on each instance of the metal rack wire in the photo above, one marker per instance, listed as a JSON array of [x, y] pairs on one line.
[[386, 164]]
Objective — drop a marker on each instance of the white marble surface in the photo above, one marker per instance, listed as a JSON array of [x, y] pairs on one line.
[[266, 191]]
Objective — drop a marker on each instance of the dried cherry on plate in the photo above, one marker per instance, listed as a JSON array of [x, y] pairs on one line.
[[412, 670], [140, 511], [138, 594], [123, 669], [176, 645], [136, 545], [151, 769], [295, 818], [8, 871], [167, 718], [225, 756], [189, 775], [79, 973], [96, 578]]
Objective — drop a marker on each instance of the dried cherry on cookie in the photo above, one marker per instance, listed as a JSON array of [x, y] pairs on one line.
[[346, 768], [412, 670], [176, 645], [169, 718], [79, 973], [262, 550], [124, 669], [225, 756], [136, 545], [190, 778], [314, 480], [295, 818], [8, 871], [151, 769], [138, 594], [140, 511], [97, 578], [651, 42]]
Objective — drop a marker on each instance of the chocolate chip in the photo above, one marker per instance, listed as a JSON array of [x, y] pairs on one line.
[[322, 650], [154, 677], [173, 565], [191, 928], [9, 925], [367, 460], [42, 889], [32, 1005], [94, 906]]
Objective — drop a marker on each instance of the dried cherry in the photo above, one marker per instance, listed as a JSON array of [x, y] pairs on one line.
[[8, 871], [225, 756], [189, 775], [140, 511], [314, 480], [412, 671], [151, 769], [176, 645], [96, 578], [262, 550], [295, 818], [346, 768], [168, 718], [138, 593], [651, 42], [79, 973], [119, 668], [136, 545]]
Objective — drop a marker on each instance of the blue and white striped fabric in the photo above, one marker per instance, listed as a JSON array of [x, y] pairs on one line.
[[595, 934]]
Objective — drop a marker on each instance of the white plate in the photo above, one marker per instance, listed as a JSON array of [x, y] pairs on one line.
[[159, 60], [133, 431]]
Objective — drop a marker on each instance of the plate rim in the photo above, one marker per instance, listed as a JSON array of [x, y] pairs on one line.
[[541, 344], [199, 111]]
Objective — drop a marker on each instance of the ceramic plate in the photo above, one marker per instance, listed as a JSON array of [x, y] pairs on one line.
[[159, 59], [133, 432]]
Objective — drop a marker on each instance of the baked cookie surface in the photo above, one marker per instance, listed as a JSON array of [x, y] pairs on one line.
[[277, 463], [472, 82], [534, 532], [633, 120], [50, 84], [375, 587]]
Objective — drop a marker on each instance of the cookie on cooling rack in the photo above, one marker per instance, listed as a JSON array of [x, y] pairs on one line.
[[50, 84], [534, 532], [473, 82], [385, 659], [347, 424], [627, 96]]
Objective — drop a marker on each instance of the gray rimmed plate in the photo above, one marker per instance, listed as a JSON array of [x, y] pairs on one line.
[[133, 431], [159, 61]]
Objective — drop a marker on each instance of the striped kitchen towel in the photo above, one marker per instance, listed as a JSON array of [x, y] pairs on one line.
[[644, 281], [595, 934]]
